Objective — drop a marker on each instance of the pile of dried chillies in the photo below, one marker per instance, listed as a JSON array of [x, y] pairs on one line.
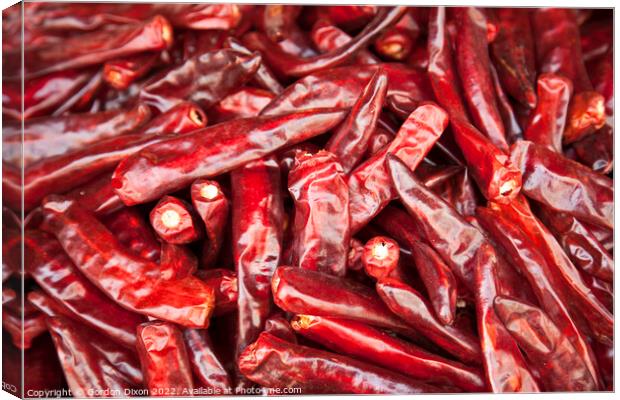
[[234, 199]]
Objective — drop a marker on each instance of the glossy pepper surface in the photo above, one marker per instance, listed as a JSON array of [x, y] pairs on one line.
[[308, 292], [164, 359], [103, 365], [217, 149], [369, 344], [321, 229], [273, 362], [56, 274], [350, 141], [369, 184], [546, 345], [257, 225], [546, 122], [128, 279], [473, 65], [547, 288], [564, 185]]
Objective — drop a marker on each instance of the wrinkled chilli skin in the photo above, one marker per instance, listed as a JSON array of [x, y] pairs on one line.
[[369, 184], [547, 288], [320, 228], [216, 199], [564, 185], [55, 273], [374, 346], [130, 280], [258, 224], [406, 302], [164, 359], [273, 362], [308, 292], [546, 122], [546, 344], [217, 149], [103, 365]]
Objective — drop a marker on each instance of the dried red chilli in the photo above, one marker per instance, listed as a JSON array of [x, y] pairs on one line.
[[226, 286], [546, 122], [558, 49], [546, 345], [505, 367], [563, 184], [130, 280], [263, 77], [596, 151], [204, 79], [374, 346], [586, 115], [596, 39], [175, 221], [340, 87], [309, 292], [180, 119], [164, 359], [65, 172], [348, 17], [438, 279], [133, 232], [369, 184], [380, 258], [546, 286], [354, 257], [78, 52], [513, 53], [295, 44], [217, 149], [378, 140], [327, 37], [183, 118], [50, 136], [573, 255], [44, 95], [212, 205], [197, 42], [441, 65], [279, 326], [208, 370], [97, 196], [601, 73], [23, 329], [276, 20], [243, 103], [273, 362], [506, 110], [51, 17], [583, 248], [350, 141], [473, 66], [459, 191], [176, 261], [406, 302], [103, 367], [120, 73], [290, 65], [395, 43], [257, 234], [498, 179], [583, 302], [55, 273], [321, 230]]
